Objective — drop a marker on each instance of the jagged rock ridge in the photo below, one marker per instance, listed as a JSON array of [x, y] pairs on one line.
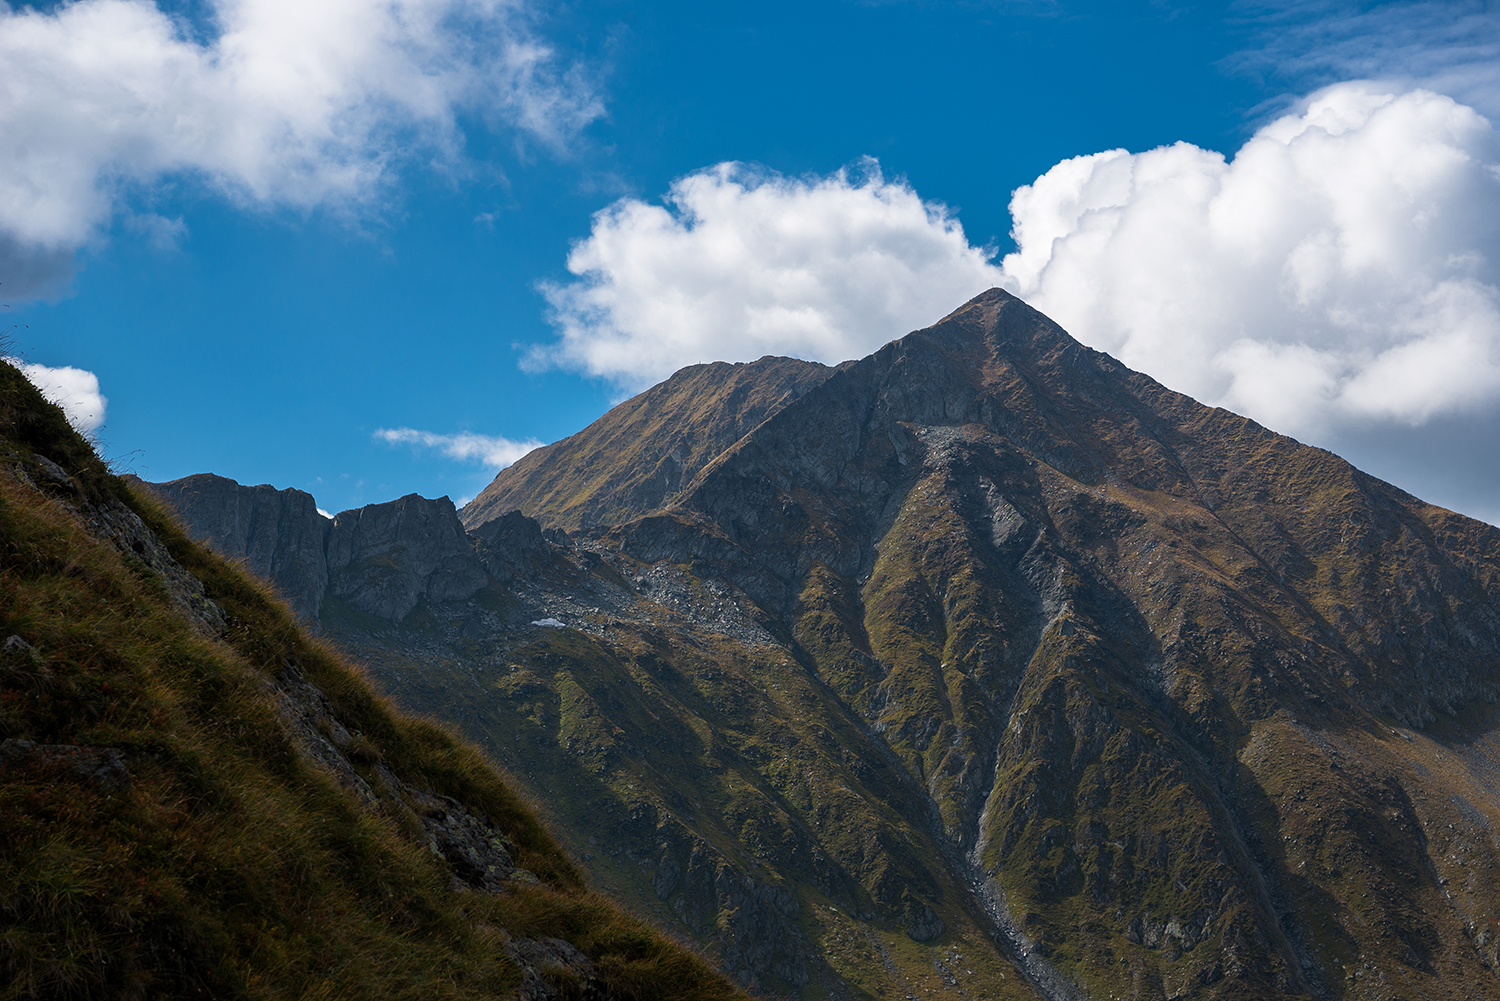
[[382, 559], [278, 533]]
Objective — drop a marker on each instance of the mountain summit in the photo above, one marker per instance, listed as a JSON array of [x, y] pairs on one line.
[[640, 454], [987, 666]]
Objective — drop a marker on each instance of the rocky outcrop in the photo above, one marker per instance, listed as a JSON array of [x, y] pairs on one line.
[[381, 559], [104, 767], [479, 855], [278, 533], [384, 558], [553, 970], [122, 526], [505, 543]]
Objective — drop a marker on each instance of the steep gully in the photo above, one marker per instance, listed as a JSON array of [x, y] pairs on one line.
[[963, 851], [963, 855]]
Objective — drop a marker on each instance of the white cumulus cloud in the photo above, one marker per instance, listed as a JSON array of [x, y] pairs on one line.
[[297, 103], [741, 262], [1343, 268], [1337, 278], [493, 452], [73, 389]]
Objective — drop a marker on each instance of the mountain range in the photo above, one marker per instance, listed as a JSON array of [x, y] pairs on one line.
[[982, 666]]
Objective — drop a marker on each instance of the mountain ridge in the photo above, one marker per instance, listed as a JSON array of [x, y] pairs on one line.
[[712, 406], [986, 646]]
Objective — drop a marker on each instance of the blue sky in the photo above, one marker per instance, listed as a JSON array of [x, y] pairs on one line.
[[332, 250]]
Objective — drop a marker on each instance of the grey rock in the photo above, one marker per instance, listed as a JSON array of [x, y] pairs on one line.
[[504, 543], [320, 737], [381, 558], [553, 970], [15, 644], [122, 526], [922, 922], [479, 856], [278, 533], [384, 558], [52, 472], [668, 874], [513, 534], [104, 767]]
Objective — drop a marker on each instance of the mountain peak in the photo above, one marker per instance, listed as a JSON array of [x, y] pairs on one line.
[[646, 449]]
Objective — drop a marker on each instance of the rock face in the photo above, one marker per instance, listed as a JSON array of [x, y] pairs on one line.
[[102, 766], [504, 543], [381, 559], [278, 533]]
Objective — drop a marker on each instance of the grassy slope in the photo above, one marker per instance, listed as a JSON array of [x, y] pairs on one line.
[[643, 451], [670, 746], [229, 867]]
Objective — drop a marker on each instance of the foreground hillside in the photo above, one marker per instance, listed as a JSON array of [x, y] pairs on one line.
[[196, 800], [979, 667]]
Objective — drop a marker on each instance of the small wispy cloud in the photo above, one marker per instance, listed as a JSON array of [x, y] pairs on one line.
[[466, 446]]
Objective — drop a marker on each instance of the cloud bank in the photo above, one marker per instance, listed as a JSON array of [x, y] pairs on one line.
[[298, 105], [741, 262], [1342, 269], [494, 453], [73, 389]]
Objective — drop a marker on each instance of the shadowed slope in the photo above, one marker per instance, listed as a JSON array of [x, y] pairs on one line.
[[642, 452], [197, 800]]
